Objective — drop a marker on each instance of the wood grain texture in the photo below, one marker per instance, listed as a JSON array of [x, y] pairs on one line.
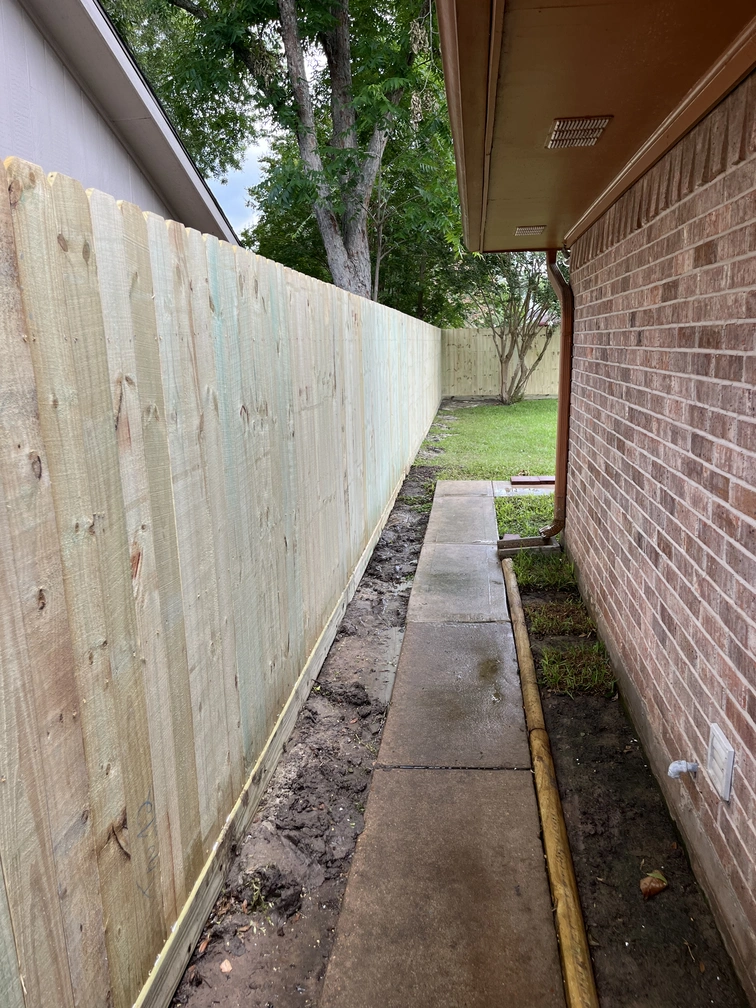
[[114, 282], [198, 451], [36, 230], [85, 335], [10, 973], [471, 366], [175, 692], [194, 522], [34, 553]]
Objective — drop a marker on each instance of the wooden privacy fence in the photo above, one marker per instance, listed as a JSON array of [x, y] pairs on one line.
[[198, 450], [471, 366]]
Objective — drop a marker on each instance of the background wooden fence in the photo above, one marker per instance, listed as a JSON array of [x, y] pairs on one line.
[[198, 449], [470, 366]]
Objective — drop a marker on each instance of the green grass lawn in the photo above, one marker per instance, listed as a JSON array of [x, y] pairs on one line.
[[524, 516], [492, 441]]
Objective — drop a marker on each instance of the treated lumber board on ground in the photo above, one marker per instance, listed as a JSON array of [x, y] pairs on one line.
[[171, 963], [188, 840], [34, 553], [114, 283], [202, 620], [62, 420], [85, 330]]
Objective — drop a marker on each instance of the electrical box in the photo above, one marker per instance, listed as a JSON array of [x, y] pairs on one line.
[[720, 761]]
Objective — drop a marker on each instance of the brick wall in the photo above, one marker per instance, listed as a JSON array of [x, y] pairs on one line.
[[662, 500]]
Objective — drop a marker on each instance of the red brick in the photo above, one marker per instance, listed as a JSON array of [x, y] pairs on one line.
[[662, 487]]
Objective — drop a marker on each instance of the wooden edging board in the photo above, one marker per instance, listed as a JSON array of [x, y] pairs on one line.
[[170, 964]]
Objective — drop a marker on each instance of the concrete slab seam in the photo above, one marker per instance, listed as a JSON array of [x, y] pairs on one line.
[[430, 766]]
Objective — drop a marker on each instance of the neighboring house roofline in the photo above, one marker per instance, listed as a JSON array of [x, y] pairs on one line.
[[83, 35]]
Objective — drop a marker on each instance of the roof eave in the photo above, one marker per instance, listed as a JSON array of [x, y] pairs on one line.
[[84, 36]]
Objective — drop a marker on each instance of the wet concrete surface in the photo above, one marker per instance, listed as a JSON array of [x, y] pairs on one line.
[[447, 904], [457, 702], [458, 583], [462, 520]]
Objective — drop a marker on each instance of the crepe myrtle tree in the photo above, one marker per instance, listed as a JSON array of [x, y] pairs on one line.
[[509, 293], [338, 75]]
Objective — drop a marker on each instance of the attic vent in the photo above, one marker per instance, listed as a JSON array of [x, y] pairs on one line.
[[584, 131], [530, 229]]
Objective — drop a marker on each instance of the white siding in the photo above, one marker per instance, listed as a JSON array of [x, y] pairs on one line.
[[48, 119]]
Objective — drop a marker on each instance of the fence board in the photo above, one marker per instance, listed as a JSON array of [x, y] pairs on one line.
[[211, 460], [39, 254], [471, 366], [107, 527], [175, 690], [193, 524], [199, 449], [25, 842], [35, 554], [114, 282]]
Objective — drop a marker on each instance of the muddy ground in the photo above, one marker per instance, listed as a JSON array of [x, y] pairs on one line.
[[663, 953], [274, 922]]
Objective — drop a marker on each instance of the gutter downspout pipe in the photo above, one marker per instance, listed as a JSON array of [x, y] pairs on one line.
[[567, 303]]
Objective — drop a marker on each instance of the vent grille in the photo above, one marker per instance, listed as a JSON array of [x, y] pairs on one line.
[[583, 131], [530, 229]]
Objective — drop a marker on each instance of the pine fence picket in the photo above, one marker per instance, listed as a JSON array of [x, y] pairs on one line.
[[176, 691], [114, 283], [198, 451], [107, 527], [193, 524], [35, 553], [62, 424], [211, 452]]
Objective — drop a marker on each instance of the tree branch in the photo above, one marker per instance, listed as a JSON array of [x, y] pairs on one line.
[[306, 134], [190, 7], [337, 48]]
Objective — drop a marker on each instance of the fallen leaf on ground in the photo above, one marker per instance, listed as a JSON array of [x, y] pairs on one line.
[[203, 946], [653, 884], [225, 966]]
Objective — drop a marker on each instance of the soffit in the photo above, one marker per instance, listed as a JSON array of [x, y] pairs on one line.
[[633, 60]]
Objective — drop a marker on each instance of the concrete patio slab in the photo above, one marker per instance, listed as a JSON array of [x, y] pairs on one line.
[[456, 519], [447, 904], [464, 488], [458, 584], [457, 700]]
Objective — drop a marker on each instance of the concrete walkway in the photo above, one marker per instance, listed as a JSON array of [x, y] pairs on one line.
[[447, 904]]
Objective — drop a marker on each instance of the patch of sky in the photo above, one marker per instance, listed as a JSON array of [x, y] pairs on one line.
[[233, 195]]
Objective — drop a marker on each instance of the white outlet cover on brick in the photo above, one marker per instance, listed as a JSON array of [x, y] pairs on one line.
[[720, 761]]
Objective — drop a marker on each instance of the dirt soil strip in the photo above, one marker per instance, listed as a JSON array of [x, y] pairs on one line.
[[663, 953], [267, 942]]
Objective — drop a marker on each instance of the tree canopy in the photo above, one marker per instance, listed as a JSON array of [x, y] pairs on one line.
[[359, 186], [339, 76]]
